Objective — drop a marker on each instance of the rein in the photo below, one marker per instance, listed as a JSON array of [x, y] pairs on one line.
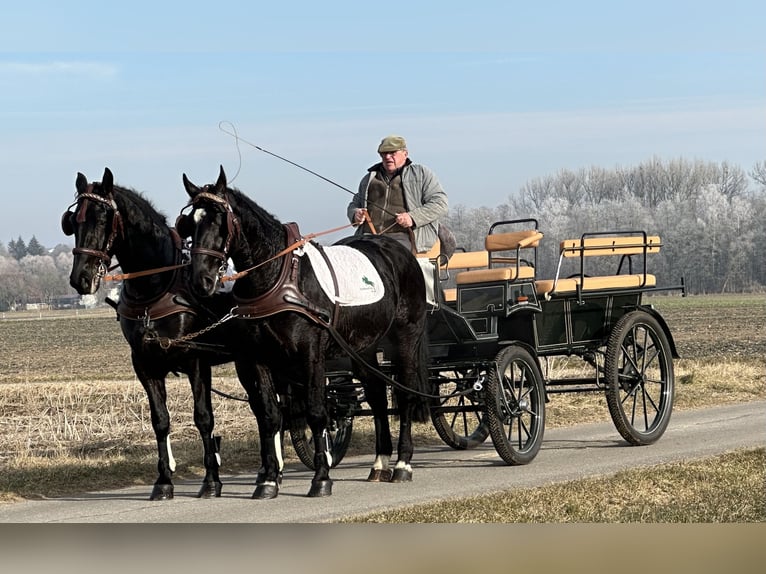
[[394, 383], [300, 243], [132, 275], [122, 276]]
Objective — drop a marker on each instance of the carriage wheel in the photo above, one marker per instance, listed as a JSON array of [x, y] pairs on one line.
[[459, 420], [515, 398], [638, 372], [342, 395], [302, 440]]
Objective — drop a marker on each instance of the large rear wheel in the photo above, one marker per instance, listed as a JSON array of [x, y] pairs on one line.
[[640, 384], [515, 396]]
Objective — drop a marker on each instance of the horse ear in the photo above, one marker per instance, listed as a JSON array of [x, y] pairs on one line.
[[190, 188], [81, 183], [66, 223], [107, 182], [221, 183]]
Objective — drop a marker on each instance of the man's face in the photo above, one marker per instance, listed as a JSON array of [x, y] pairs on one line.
[[393, 160]]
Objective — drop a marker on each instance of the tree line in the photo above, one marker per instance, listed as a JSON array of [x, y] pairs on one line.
[[710, 216], [32, 273]]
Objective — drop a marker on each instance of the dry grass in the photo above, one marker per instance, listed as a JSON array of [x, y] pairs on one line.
[[73, 417], [722, 489]]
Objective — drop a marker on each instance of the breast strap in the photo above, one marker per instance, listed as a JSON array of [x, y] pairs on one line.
[[285, 295]]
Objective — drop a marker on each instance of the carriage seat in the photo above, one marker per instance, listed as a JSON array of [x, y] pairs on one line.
[[504, 258], [602, 245], [464, 260]]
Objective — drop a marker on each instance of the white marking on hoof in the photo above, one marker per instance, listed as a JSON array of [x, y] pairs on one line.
[[327, 453], [171, 460], [278, 451], [401, 464], [381, 462]]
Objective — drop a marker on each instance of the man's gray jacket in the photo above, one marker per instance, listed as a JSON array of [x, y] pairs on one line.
[[423, 194]]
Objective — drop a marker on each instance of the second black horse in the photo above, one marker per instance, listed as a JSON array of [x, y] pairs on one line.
[[294, 325]]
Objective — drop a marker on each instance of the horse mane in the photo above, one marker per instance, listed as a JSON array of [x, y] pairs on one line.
[[266, 217], [136, 200]]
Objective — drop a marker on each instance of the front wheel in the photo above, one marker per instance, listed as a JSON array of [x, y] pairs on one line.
[[459, 415], [302, 440], [640, 384], [515, 397]]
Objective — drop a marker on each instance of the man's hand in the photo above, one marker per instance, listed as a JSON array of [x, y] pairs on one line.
[[359, 215], [404, 220]]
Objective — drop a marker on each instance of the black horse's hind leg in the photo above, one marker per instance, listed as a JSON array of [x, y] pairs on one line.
[[316, 417], [413, 373], [154, 385], [375, 392], [405, 448], [257, 382], [200, 378]]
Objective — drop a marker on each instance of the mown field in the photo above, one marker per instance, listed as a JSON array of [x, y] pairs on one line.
[[75, 418]]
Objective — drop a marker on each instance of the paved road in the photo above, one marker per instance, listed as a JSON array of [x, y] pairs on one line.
[[440, 472]]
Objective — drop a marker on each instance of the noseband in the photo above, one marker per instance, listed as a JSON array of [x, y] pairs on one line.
[[232, 229], [104, 255]]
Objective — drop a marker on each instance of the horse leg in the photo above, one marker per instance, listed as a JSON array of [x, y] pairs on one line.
[[258, 383], [200, 378], [403, 468], [377, 398], [413, 373], [316, 417], [154, 385]]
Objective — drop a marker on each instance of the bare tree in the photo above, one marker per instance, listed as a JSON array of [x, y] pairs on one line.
[[758, 173], [732, 181]]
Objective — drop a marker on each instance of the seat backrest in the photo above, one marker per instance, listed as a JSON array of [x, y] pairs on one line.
[[610, 245], [468, 260], [505, 248], [512, 240]]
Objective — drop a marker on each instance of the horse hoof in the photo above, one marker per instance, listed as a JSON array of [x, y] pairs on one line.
[[261, 477], [379, 475], [401, 475], [266, 491], [320, 488], [210, 489], [162, 492]]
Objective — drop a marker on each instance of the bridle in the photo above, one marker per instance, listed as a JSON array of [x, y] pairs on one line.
[[232, 229], [104, 255]]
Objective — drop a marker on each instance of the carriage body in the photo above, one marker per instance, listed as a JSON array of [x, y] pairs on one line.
[[502, 341]]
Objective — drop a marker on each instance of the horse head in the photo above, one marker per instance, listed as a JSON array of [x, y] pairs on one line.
[[214, 230], [95, 223]]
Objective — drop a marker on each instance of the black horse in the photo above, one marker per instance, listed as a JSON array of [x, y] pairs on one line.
[[155, 309], [294, 327]]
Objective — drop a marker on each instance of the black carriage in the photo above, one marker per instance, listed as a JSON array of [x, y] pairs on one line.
[[503, 340]]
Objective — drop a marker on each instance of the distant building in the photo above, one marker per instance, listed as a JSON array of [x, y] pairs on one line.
[[66, 302]]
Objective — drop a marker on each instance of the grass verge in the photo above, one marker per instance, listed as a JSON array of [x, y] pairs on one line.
[[729, 488]]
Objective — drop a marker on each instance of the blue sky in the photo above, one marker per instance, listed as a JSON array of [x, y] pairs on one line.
[[488, 94]]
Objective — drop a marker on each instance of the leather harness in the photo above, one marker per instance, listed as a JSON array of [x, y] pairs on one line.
[[285, 295], [171, 301]]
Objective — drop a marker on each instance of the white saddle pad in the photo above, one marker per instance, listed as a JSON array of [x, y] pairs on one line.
[[358, 281]]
